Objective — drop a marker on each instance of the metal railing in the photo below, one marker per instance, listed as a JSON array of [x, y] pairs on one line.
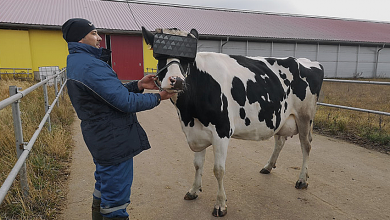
[[17, 73], [23, 148], [151, 70], [353, 108]]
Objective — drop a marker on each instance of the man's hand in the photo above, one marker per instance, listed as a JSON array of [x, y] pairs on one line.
[[147, 82], [166, 95]]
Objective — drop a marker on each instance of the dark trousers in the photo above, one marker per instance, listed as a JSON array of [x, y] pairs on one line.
[[113, 188]]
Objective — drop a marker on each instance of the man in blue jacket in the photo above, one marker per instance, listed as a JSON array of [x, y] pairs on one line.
[[107, 108]]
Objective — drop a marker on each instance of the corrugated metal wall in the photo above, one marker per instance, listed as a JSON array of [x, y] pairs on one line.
[[32, 49], [15, 49], [47, 48], [339, 61]]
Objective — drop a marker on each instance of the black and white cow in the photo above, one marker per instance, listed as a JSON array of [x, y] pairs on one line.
[[250, 98]]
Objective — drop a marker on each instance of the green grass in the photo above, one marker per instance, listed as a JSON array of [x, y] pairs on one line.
[[47, 163]]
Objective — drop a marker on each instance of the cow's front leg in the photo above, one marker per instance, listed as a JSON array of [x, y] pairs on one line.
[[199, 158], [220, 153], [279, 143]]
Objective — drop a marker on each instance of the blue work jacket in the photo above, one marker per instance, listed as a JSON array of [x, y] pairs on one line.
[[106, 107]]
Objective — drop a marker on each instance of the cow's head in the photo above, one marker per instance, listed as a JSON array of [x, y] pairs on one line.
[[172, 48]]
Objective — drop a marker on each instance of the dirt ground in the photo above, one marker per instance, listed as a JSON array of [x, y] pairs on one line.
[[346, 181]]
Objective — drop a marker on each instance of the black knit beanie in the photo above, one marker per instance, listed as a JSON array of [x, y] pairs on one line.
[[73, 30]]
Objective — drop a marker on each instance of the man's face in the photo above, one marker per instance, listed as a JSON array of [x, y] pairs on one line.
[[92, 38]]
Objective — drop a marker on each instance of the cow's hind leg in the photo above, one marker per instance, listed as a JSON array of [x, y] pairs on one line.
[[279, 143], [199, 158], [305, 139], [220, 153]]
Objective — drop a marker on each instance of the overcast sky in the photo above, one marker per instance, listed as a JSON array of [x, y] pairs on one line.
[[374, 10]]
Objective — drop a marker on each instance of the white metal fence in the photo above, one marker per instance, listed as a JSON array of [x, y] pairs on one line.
[[353, 108], [23, 148], [17, 73]]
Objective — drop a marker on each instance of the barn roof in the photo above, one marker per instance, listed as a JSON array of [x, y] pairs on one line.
[[122, 16]]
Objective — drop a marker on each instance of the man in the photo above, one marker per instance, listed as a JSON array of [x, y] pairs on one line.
[[106, 108]]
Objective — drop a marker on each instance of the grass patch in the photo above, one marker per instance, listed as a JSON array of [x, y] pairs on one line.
[[47, 163], [366, 129]]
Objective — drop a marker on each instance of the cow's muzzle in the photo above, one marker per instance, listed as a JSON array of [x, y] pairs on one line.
[[176, 83]]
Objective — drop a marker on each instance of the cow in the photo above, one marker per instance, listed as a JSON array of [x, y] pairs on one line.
[[222, 96]]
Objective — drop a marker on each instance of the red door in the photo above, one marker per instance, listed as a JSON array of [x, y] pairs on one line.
[[127, 58]]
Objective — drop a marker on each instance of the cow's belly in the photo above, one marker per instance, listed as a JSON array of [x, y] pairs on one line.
[[259, 131], [254, 133]]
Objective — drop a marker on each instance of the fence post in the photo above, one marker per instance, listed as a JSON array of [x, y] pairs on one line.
[[19, 139], [46, 98], [56, 90], [63, 79]]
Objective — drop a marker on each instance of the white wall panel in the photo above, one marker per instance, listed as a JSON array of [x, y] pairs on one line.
[[283, 50], [208, 46], [329, 69], [367, 54], [235, 48], [383, 70], [346, 69], [348, 54], [327, 53], [338, 61], [256, 49], [384, 63], [367, 69], [308, 51]]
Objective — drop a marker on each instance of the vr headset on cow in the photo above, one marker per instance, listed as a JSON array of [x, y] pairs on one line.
[[173, 43]]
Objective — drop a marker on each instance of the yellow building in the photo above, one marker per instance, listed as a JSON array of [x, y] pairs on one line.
[[150, 64], [24, 51]]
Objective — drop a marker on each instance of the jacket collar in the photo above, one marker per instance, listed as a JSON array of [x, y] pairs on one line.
[[76, 47]]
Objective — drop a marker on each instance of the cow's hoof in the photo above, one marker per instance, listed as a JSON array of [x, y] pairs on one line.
[[219, 213], [264, 171], [301, 185], [189, 196]]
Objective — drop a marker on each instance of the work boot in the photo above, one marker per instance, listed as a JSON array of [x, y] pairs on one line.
[[96, 215]]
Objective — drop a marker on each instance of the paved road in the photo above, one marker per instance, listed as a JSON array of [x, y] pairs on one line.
[[346, 181]]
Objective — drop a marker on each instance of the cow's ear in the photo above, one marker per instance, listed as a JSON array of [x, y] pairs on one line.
[[148, 36], [195, 33]]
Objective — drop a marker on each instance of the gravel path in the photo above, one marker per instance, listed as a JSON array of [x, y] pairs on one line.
[[346, 181]]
